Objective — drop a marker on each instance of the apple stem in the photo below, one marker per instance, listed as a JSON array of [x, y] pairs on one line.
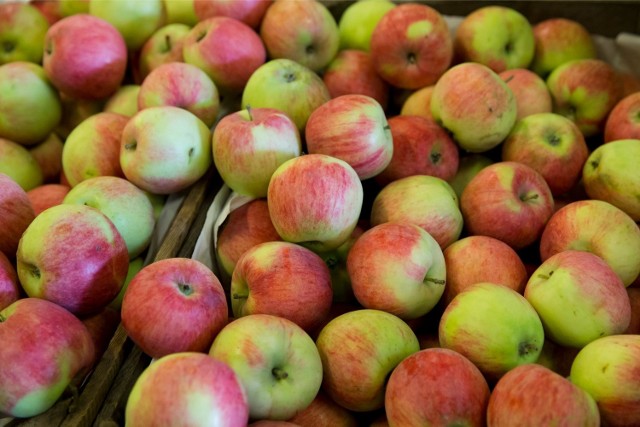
[[2, 318], [279, 373], [436, 281], [508, 79], [238, 296], [249, 112], [526, 198], [131, 146], [167, 39], [543, 276]]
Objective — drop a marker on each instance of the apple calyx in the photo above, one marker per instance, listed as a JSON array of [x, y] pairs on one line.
[[201, 36], [185, 288], [435, 158], [526, 348], [279, 374], [290, 77], [553, 140], [310, 49], [412, 58], [8, 46]]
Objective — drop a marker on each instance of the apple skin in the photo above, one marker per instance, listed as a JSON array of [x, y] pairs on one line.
[[420, 147], [48, 154], [607, 369], [352, 128], [475, 105], [585, 91], [475, 259], [184, 86], [397, 267], [532, 395], [494, 327], [424, 200], [49, 346], [436, 387], [250, 144], [74, 112], [269, 278], [359, 349], [327, 195], [324, 411], [74, 256], [509, 201], [598, 227], [9, 285], [579, 298], [552, 145], [351, 72], [187, 386], [180, 12], [93, 148], [276, 362], [162, 47], [530, 90], [228, 50], [560, 40], [165, 149], [18, 163], [101, 327], [304, 31], [287, 86], [191, 292], [46, 196], [411, 46], [611, 174], [622, 122], [634, 299], [251, 12], [16, 213], [123, 101], [468, 166], [418, 103], [496, 36], [31, 107], [135, 265], [357, 22], [22, 35], [85, 56]]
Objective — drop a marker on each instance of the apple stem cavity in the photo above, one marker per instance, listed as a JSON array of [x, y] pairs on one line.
[[545, 276], [289, 77], [239, 296], [185, 288], [33, 270], [201, 36], [527, 197], [8, 46], [435, 158], [310, 50], [411, 58], [279, 374], [553, 140]]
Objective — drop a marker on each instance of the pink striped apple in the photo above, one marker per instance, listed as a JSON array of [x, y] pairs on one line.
[[16, 213], [9, 285]]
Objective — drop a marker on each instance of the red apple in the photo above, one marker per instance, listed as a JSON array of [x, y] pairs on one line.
[[250, 12], [623, 121], [46, 196], [9, 285], [16, 213], [324, 411], [530, 91], [48, 154]]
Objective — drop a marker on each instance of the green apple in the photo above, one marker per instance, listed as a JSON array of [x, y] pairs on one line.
[[180, 12], [19, 164], [30, 107], [493, 326], [468, 167], [135, 20], [611, 173], [124, 101], [135, 265], [163, 46], [276, 362], [357, 22], [22, 31], [73, 7]]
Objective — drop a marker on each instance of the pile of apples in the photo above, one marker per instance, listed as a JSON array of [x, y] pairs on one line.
[[436, 226]]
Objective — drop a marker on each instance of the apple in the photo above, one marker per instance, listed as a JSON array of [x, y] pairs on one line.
[[359, 349], [497, 36], [276, 362], [18, 163], [436, 387], [30, 104], [250, 12], [45, 196], [165, 149], [124, 101], [327, 195], [50, 10], [559, 40], [85, 56], [634, 299], [357, 22], [468, 166], [352, 128], [411, 46], [48, 346], [509, 201], [605, 368], [250, 144], [22, 31], [16, 213], [323, 411], [351, 72], [192, 294], [187, 386], [180, 12], [399, 268], [135, 21], [579, 298], [494, 327], [336, 260], [420, 147], [282, 279], [9, 285], [418, 103], [557, 357], [585, 91], [162, 47], [184, 86], [530, 91], [74, 112], [475, 259], [623, 121], [598, 227], [72, 7], [473, 103], [550, 144], [427, 201], [135, 265], [228, 50], [48, 154], [74, 256], [287, 86], [534, 395]]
